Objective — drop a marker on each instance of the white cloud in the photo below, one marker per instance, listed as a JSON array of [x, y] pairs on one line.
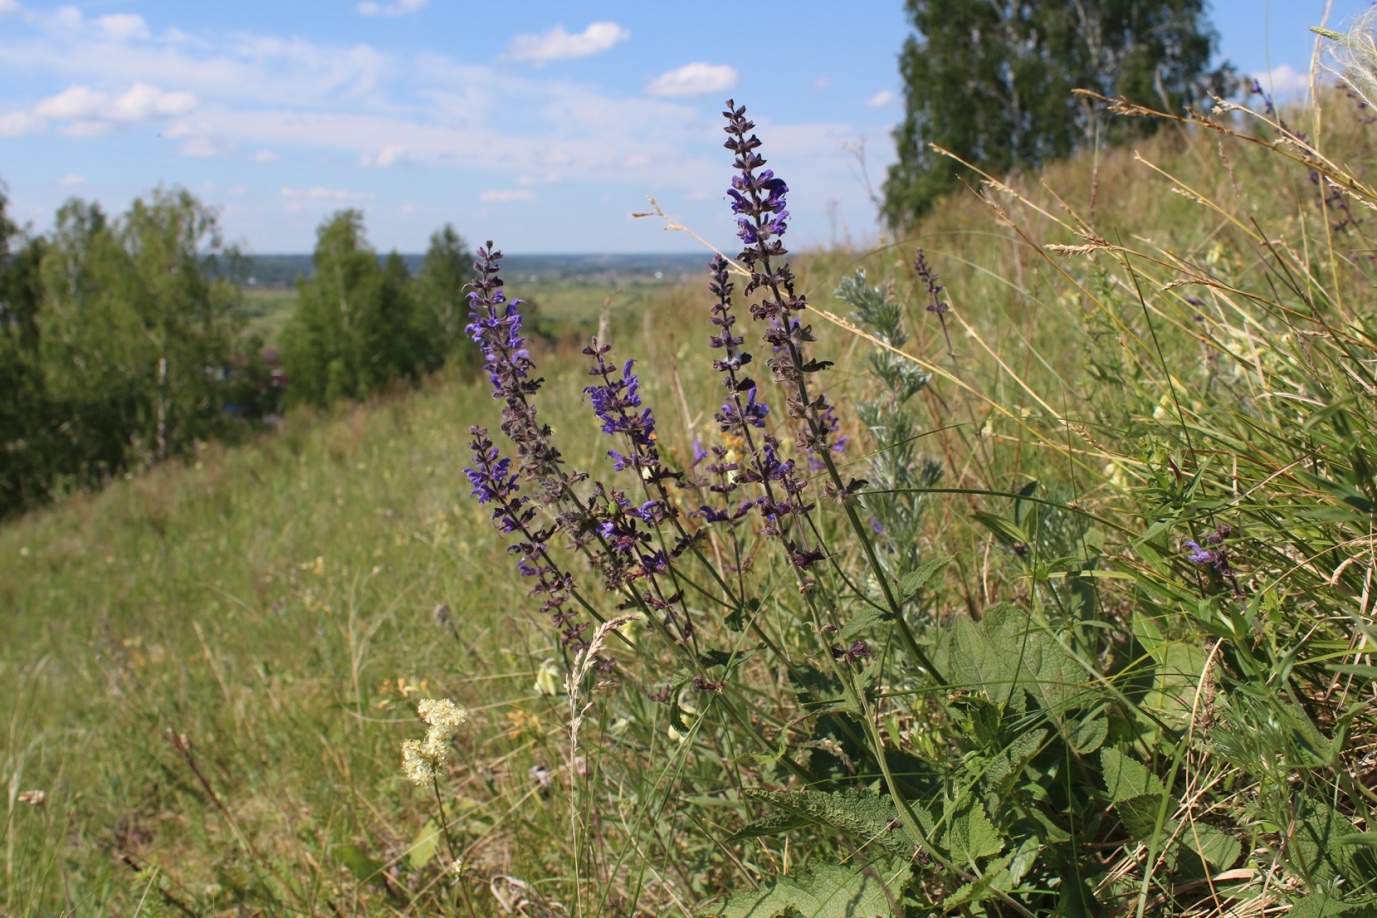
[[822, 83], [407, 209], [391, 155], [507, 194], [881, 99], [9, 6], [68, 17], [265, 157], [123, 26], [1283, 80], [206, 145], [398, 8], [696, 79], [71, 181], [141, 102], [325, 194], [558, 45], [72, 102], [16, 123]]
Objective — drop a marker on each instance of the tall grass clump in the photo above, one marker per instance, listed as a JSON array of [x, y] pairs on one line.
[[1064, 612]]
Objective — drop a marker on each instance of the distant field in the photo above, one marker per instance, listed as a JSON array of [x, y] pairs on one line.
[[575, 300], [268, 310]]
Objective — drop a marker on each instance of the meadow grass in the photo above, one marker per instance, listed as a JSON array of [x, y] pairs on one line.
[[210, 669], [266, 311]]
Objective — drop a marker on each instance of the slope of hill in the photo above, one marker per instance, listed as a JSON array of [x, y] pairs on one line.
[[208, 671]]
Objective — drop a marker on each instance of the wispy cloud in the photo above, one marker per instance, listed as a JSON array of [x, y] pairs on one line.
[[326, 194], [1283, 80], [8, 6], [882, 99], [13, 124], [71, 181], [123, 26], [391, 155], [558, 45], [397, 8], [504, 195], [141, 102], [265, 156], [696, 79]]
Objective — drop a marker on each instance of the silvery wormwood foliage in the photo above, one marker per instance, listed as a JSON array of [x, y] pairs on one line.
[[898, 473]]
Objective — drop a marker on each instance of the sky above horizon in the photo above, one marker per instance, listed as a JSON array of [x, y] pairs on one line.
[[543, 126]]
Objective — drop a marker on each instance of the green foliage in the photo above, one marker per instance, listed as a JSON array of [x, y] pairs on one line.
[[117, 339], [992, 82], [823, 892], [440, 292], [358, 326]]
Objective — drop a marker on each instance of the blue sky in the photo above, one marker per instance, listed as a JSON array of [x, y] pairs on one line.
[[541, 125]]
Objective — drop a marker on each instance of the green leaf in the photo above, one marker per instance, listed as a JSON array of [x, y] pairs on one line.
[[1088, 735], [424, 846], [1139, 814], [1319, 906], [1126, 778], [855, 891], [1008, 533], [1010, 761], [861, 621], [984, 656], [363, 867], [1214, 845], [736, 619], [912, 582], [867, 818], [776, 823], [972, 836]]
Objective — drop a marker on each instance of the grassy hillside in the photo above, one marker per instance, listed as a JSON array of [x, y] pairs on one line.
[[209, 670]]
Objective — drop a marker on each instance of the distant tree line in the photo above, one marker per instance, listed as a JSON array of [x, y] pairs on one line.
[[122, 339]]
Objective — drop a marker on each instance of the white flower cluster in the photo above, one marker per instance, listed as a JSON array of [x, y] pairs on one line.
[[423, 760]]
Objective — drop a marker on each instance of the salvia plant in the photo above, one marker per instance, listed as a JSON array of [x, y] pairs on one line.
[[766, 599]]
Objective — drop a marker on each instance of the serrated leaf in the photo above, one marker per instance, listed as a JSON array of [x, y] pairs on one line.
[[861, 621], [912, 582], [1139, 814], [979, 657], [1126, 778], [1012, 759], [424, 846], [972, 836], [868, 818], [1319, 906], [855, 891], [776, 823]]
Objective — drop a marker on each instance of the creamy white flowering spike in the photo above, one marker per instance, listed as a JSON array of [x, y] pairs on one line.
[[418, 763], [442, 714], [424, 761]]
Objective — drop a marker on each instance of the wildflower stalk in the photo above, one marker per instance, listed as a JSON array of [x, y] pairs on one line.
[[759, 198], [495, 327]]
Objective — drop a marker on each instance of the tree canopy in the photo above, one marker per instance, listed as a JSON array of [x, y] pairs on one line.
[[991, 81]]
